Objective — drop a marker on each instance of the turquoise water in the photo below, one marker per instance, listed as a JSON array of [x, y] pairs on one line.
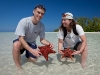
[[6, 60], [93, 40]]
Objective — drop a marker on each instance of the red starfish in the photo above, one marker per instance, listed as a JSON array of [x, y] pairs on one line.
[[67, 52], [46, 50]]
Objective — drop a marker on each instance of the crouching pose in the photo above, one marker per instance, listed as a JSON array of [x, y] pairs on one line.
[[28, 30], [72, 35]]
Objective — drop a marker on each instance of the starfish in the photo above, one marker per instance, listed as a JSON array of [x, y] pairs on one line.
[[46, 50], [67, 52]]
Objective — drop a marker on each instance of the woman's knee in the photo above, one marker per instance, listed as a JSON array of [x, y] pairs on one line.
[[86, 48]]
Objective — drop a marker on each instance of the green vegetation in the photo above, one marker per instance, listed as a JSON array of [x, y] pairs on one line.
[[89, 25]]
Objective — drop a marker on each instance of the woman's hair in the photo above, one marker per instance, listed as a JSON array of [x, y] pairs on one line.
[[72, 25]]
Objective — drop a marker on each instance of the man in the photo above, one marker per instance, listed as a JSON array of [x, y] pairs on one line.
[[28, 30]]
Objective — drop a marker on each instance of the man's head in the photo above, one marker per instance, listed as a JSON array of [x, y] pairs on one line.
[[39, 12], [41, 7]]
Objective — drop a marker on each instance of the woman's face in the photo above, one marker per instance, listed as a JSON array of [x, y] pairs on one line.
[[66, 22]]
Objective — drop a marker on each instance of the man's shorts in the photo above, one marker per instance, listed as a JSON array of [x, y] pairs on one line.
[[28, 54]]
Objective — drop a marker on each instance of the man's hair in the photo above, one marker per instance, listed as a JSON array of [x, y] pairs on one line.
[[41, 7]]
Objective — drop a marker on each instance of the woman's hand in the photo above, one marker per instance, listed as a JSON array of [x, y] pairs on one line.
[[76, 53], [60, 52]]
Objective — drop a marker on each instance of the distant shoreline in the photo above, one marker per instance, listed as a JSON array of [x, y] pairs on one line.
[[54, 32], [85, 32]]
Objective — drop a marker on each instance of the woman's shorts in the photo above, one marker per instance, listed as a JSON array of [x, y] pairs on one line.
[[75, 47], [28, 54]]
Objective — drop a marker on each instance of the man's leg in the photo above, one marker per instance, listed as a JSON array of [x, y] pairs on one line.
[[32, 59], [29, 55], [16, 54]]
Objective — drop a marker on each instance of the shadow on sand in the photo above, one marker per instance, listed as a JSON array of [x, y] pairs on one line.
[[43, 62], [77, 57], [47, 63]]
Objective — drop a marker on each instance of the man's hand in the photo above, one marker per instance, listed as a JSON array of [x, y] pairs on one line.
[[51, 45], [36, 53]]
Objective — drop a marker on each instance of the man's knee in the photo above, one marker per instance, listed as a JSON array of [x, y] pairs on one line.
[[17, 45]]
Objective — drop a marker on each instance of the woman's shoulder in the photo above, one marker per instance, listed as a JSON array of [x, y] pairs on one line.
[[78, 26], [79, 29]]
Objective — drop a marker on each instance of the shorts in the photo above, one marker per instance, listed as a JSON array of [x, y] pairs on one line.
[[28, 54], [75, 47]]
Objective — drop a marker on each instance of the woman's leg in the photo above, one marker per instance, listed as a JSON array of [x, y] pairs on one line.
[[83, 55]]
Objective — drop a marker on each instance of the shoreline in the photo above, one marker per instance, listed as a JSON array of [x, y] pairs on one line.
[[56, 32]]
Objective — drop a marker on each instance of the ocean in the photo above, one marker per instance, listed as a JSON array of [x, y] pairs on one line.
[[52, 67]]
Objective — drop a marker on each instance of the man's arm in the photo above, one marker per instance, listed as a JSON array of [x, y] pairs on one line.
[[45, 42], [27, 47]]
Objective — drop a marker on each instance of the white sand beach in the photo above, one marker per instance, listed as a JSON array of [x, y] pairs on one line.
[[54, 66]]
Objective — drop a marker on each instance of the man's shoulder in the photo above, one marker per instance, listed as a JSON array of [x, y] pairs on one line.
[[25, 19], [40, 23]]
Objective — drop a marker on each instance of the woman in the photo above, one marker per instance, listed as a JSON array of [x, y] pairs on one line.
[[72, 35]]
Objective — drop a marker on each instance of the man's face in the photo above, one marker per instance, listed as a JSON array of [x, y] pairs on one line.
[[38, 13]]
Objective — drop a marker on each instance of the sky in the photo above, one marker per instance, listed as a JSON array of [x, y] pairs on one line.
[[11, 11]]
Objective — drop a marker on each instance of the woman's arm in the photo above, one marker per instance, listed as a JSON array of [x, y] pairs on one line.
[[60, 45], [83, 45], [84, 42]]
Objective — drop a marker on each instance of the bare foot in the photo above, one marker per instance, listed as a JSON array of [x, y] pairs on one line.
[[63, 59], [20, 70], [83, 65], [32, 59], [70, 60]]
